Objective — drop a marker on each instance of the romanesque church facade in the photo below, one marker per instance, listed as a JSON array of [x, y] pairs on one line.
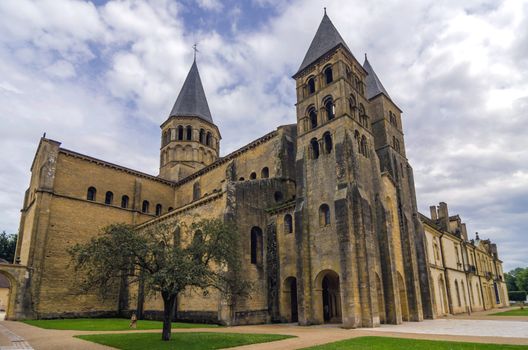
[[326, 211]]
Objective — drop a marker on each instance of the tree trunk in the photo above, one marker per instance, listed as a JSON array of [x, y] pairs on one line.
[[168, 309]]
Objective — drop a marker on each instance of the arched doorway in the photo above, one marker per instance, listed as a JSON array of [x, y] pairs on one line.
[[403, 298], [5, 292], [289, 298], [328, 296]]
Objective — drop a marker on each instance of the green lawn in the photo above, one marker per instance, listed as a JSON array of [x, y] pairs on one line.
[[515, 312], [187, 341], [383, 343], [107, 324]]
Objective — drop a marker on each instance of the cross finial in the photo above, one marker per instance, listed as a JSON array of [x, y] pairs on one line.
[[195, 48], [365, 56], [325, 10]]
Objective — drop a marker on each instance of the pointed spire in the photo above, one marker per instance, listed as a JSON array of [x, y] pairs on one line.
[[374, 85], [326, 38], [191, 101]]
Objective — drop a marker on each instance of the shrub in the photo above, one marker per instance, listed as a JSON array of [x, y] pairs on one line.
[[517, 295]]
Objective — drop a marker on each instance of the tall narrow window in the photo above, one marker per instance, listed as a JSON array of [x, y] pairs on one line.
[[209, 139], [202, 136], [256, 246], [329, 77], [180, 133], [145, 207], [90, 195], [311, 85], [458, 293], [189, 133], [109, 197], [357, 137], [264, 173], [288, 223], [312, 114], [364, 146], [315, 148], [124, 201], [352, 104], [329, 108], [324, 215], [327, 138], [196, 191], [253, 176], [158, 209]]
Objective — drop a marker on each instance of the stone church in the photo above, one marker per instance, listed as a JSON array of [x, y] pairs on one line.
[[326, 211]]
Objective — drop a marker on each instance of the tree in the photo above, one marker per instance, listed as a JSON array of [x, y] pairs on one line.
[[167, 261], [517, 279], [8, 246]]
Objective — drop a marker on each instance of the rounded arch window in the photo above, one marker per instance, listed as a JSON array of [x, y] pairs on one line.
[[91, 193], [180, 132], [124, 201], [352, 103], [288, 223], [256, 246], [253, 176], [324, 215], [314, 145], [158, 209], [328, 145], [264, 174], [329, 107], [109, 197], [311, 85], [202, 136], [145, 207], [312, 115], [188, 133], [278, 196], [209, 139], [241, 179], [328, 74], [196, 191]]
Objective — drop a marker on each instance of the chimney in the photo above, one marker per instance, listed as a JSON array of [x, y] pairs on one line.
[[464, 232], [443, 216], [434, 214]]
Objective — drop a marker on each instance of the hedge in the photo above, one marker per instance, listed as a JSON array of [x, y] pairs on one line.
[[517, 296]]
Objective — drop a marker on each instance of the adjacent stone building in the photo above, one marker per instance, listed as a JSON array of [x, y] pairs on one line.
[[326, 209]]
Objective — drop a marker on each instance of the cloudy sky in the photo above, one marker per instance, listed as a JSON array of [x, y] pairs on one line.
[[100, 77]]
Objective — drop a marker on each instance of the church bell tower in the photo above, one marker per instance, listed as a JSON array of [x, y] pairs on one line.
[[189, 138]]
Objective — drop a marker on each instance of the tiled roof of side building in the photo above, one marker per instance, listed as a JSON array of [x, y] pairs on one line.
[[191, 101], [374, 85]]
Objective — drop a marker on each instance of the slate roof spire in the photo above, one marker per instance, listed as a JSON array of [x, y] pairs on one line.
[[191, 101], [374, 85], [326, 38]]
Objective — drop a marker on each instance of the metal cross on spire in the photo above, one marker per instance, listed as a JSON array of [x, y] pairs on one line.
[[195, 48]]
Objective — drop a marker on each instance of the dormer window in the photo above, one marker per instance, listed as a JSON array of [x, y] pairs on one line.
[[329, 76]]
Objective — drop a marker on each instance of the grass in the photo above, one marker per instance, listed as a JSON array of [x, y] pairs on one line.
[[107, 324], [515, 312], [384, 343], [187, 341]]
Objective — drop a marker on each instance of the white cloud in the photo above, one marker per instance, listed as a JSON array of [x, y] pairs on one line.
[[458, 70]]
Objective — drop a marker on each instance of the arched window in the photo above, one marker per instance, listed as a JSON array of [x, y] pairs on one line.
[[109, 197], [311, 85], [180, 132], [253, 176], [164, 138], [124, 201], [145, 207], [196, 191], [241, 179], [329, 77], [312, 114], [327, 138], [209, 139], [314, 145], [278, 196], [90, 195], [264, 174], [329, 108], [352, 104], [202, 136], [158, 209], [171, 209], [363, 118], [364, 146], [357, 137], [288, 223], [324, 215], [256, 246], [189, 132]]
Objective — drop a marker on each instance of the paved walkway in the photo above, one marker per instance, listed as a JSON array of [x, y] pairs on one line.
[[507, 330]]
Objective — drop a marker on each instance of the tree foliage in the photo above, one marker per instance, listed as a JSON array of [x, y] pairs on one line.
[[168, 258], [517, 279], [8, 246]]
